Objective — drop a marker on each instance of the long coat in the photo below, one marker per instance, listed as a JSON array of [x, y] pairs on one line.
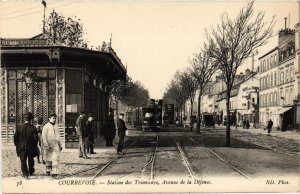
[[50, 136], [121, 127], [110, 128], [26, 139], [81, 126]]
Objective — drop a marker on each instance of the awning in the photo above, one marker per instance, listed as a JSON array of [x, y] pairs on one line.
[[282, 110]]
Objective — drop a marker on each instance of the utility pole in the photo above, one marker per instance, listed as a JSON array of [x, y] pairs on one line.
[[45, 4]]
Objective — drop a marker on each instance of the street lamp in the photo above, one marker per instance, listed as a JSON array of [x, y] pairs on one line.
[[28, 76]]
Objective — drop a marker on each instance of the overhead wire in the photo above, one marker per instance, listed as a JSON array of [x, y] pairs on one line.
[[8, 18], [21, 10]]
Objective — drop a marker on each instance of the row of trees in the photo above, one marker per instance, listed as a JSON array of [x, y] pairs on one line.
[[132, 94], [223, 52]]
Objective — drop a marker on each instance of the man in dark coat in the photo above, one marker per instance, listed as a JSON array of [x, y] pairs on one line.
[[90, 134], [270, 125], [121, 133], [26, 140], [81, 131], [110, 130]]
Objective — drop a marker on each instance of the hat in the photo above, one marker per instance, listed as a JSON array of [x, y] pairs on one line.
[[28, 116], [90, 115]]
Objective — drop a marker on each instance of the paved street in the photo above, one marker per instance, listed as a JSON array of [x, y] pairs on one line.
[[197, 153]]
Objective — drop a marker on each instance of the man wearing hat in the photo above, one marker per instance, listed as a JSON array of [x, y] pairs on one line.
[[121, 133], [81, 131], [26, 140], [90, 134]]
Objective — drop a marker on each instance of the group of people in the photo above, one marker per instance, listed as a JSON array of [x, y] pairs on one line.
[[84, 129], [35, 141], [32, 141], [246, 124]]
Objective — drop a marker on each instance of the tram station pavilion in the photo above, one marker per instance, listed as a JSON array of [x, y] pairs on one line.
[[46, 78]]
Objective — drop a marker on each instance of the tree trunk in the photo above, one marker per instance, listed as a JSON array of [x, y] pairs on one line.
[[191, 116], [198, 114], [228, 120]]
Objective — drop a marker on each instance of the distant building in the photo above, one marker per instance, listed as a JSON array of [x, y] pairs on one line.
[[268, 85], [278, 85]]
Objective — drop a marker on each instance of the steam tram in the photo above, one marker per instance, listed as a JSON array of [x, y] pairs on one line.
[[152, 115]]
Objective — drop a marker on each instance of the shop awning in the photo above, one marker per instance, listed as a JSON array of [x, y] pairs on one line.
[[282, 110]]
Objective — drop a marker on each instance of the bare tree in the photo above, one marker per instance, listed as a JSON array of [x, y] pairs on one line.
[[189, 87], [233, 41], [176, 92], [202, 69]]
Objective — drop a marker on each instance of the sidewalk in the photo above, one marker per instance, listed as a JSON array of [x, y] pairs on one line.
[[286, 134]]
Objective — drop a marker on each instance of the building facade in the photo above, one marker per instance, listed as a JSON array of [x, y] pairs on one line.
[[268, 84], [43, 78]]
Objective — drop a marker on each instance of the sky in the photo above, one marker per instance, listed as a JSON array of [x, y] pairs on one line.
[[153, 39]]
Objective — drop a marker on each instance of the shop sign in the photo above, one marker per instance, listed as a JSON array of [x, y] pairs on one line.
[[24, 42]]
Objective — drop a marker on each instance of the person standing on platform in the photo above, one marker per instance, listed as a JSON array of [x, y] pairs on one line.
[[90, 134], [110, 130], [26, 140], [121, 133], [52, 146], [81, 131]]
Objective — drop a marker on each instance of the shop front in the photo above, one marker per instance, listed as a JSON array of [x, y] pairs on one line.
[[43, 78]]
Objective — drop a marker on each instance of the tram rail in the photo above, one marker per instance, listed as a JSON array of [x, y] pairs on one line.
[[220, 158]]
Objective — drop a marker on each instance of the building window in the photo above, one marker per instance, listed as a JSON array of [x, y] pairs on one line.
[[268, 64], [260, 83], [291, 95], [271, 61], [275, 79], [253, 100], [275, 98], [73, 94], [271, 84], [287, 75], [292, 74]]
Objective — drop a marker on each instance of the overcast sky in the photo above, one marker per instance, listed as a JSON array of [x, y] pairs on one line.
[[154, 38]]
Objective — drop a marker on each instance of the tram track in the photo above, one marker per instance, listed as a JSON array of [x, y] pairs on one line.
[[186, 162], [219, 157], [101, 166]]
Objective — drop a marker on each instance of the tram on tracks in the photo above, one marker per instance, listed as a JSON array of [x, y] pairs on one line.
[[152, 115]]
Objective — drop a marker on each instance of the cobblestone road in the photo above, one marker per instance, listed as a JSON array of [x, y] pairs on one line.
[[70, 163]]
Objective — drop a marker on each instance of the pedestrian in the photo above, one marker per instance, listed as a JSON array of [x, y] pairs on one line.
[[240, 123], [121, 133], [269, 126], [26, 140], [52, 146], [90, 134], [81, 131], [39, 127], [110, 130], [244, 124], [247, 124]]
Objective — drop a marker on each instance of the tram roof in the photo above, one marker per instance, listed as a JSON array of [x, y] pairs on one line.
[[41, 52]]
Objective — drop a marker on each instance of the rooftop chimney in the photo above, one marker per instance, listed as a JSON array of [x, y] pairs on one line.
[[285, 22]]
